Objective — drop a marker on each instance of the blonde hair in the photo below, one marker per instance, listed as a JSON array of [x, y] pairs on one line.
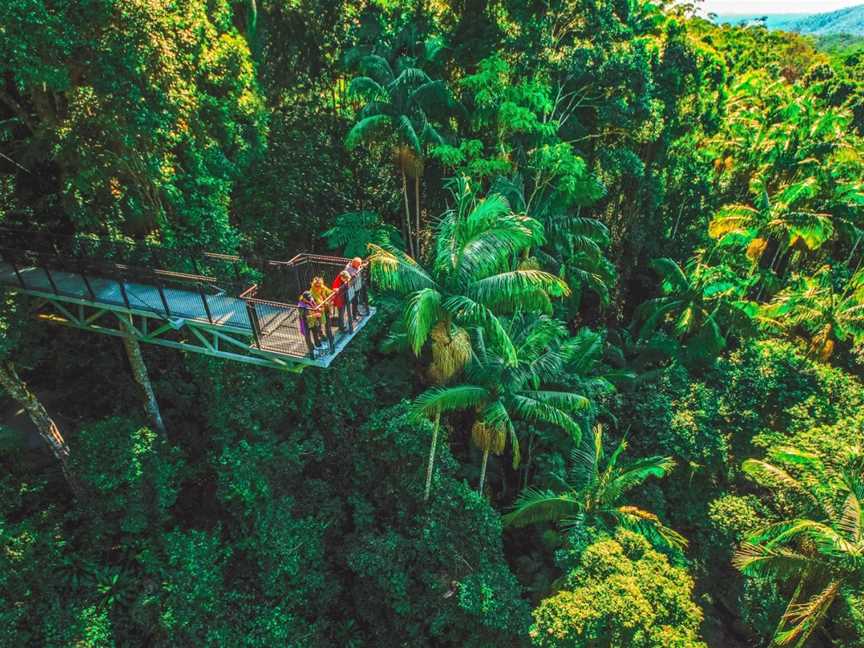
[[346, 276], [317, 280]]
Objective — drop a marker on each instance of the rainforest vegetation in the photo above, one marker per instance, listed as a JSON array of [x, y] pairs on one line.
[[610, 397]]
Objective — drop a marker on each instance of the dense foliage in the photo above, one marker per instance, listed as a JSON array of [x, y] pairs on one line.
[[612, 392]]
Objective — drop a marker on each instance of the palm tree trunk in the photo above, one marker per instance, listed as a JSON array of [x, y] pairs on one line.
[[793, 601], [483, 471], [410, 240], [142, 378], [854, 249], [47, 428], [432, 455], [417, 212]]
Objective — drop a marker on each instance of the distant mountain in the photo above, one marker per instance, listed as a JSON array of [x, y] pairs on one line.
[[842, 21], [772, 21]]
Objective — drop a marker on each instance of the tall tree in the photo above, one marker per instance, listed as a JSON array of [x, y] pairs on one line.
[[814, 307], [12, 323], [474, 278], [699, 301], [142, 377], [400, 104], [134, 117]]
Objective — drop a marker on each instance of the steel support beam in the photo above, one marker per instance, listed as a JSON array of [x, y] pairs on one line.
[[56, 312]]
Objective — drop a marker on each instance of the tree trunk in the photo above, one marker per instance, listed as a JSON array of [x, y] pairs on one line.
[[432, 456], [854, 249], [48, 430], [417, 214], [410, 241], [483, 471], [793, 601], [139, 371]]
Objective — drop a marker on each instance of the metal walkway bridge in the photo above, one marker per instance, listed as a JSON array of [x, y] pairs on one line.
[[215, 304]]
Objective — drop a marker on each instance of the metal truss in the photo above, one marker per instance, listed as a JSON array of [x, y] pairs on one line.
[[217, 341]]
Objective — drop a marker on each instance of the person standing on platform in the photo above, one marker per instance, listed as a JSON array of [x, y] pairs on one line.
[[310, 320], [341, 285], [354, 266], [355, 269], [320, 292]]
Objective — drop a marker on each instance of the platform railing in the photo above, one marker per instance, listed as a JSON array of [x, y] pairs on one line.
[[295, 329]]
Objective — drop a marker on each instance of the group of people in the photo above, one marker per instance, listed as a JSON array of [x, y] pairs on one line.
[[342, 307]]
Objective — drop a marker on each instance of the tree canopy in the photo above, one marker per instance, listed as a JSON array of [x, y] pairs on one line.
[[612, 392]]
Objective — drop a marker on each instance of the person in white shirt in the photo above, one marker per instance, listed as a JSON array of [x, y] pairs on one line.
[[353, 266]]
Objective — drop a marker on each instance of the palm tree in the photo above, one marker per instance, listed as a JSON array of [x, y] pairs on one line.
[[592, 494], [576, 243], [821, 549], [784, 218], [474, 278], [399, 101], [813, 305], [695, 299], [500, 392]]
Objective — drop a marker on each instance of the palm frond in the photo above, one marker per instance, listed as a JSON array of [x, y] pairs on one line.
[[486, 213], [368, 89], [769, 562], [470, 313], [531, 409], [489, 251], [410, 77], [535, 506], [583, 351], [394, 271], [851, 519], [376, 67], [772, 476], [567, 401], [634, 474], [674, 278], [653, 313], [432, 96], [422, 312], [589, 229], [584, 471], [517, 289], [367, 130], [407, 133], [732, 219], [649, 525], [807, 616], [449, 399]]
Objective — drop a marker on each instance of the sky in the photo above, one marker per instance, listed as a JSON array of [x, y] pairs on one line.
[[774, 6]]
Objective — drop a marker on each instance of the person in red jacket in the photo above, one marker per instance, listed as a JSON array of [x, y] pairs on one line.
[[340, 299]]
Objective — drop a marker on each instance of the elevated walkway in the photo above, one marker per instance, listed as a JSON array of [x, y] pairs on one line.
[[215, 310]]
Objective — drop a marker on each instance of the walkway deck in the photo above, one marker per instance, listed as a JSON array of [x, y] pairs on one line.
[[217, 323]]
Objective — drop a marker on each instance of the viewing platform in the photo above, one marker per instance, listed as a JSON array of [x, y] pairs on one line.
[[219, 305]]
